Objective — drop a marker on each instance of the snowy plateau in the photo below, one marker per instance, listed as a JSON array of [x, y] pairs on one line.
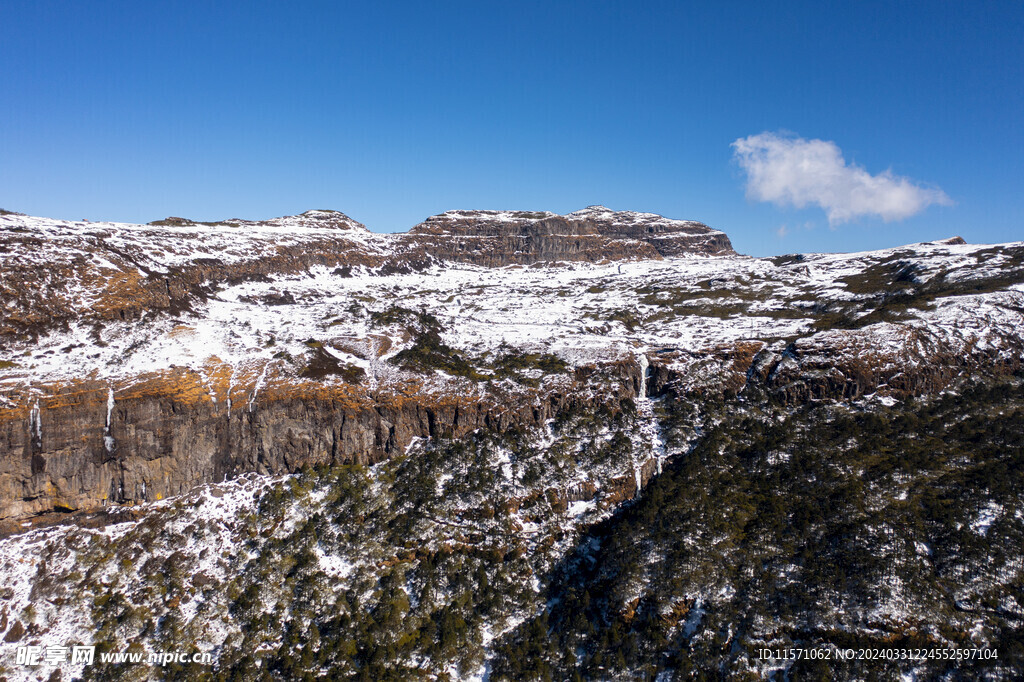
[[507, 445]]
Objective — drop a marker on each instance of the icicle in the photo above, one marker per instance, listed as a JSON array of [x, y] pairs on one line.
[[641, 397], [231, 385], [108, 440], [374, 358], [259, 384], [644, 365], [645, 410], [35, 425]]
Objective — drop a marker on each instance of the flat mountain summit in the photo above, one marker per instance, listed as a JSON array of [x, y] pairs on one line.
[[495, 238], [667, 236]]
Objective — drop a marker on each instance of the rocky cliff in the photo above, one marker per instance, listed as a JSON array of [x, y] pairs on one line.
[[497, 238], [78, 447]]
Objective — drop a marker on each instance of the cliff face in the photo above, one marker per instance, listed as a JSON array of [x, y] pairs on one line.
[[79, 448], [496, 238]]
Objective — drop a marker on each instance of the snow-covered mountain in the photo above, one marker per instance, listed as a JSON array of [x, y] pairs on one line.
[[424, 446]]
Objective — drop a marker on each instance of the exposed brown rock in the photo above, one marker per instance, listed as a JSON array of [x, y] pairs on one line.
[[495, 238], [172, 431], [16, 632]]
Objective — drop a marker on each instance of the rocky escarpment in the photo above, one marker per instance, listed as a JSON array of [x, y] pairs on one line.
[[496, 238], [91, 444]]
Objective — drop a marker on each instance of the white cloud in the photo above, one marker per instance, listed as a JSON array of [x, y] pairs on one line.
[[789, 170]]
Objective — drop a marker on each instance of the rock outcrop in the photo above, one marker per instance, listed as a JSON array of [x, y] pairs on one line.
[[496, 238], [90, 444]]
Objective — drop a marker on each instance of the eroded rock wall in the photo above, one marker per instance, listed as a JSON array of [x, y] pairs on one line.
[[64, 451]]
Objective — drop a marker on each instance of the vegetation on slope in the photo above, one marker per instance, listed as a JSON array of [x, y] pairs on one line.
[[885, 528], [428, 352]]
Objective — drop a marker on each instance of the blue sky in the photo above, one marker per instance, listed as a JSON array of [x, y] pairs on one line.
[[393, 111]]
